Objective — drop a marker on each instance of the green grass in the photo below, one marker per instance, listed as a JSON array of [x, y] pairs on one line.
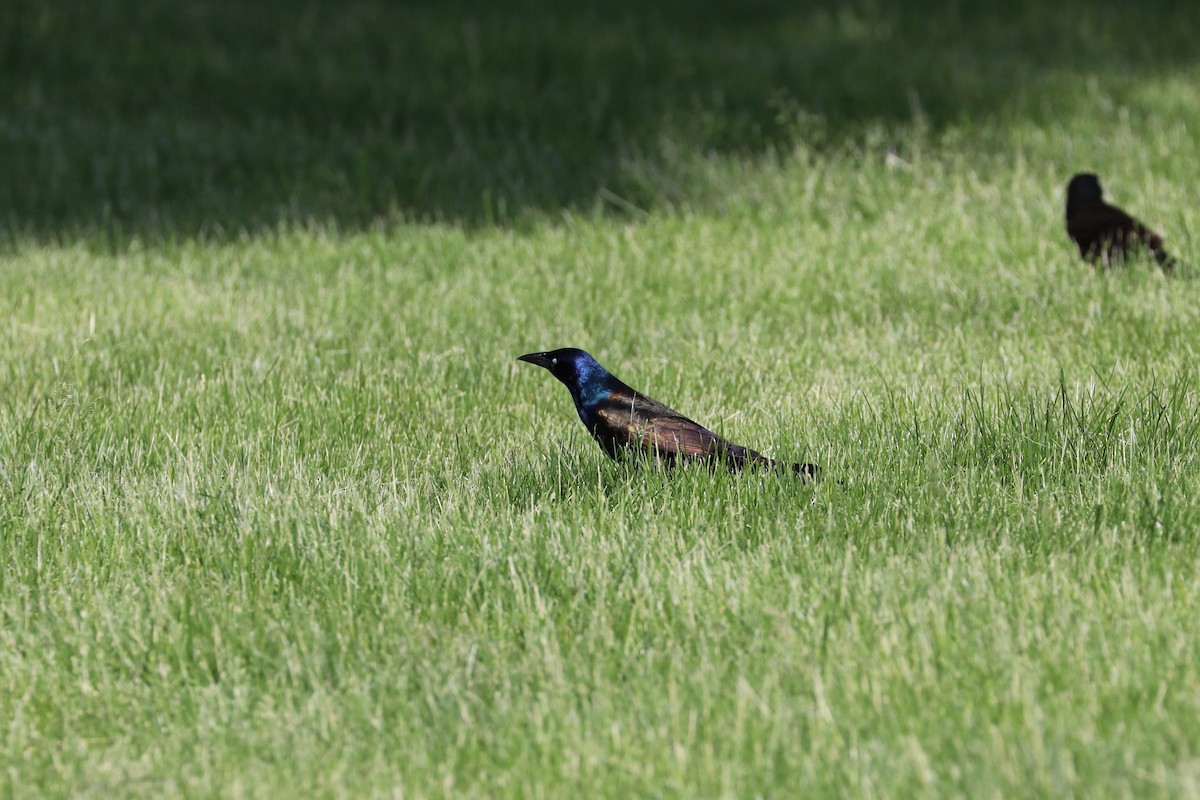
[[281, 515]]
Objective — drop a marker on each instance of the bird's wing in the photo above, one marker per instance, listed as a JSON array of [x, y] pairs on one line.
[[681, 436], [1098, 221], [641, 421], [638, 419]]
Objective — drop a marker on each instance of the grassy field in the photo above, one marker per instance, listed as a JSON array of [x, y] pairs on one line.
[[281, 515]]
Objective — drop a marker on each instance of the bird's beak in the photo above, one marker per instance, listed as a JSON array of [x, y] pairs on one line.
[[539, 359]]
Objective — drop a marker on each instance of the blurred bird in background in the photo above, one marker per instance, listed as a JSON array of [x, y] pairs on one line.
[[1107, 234]]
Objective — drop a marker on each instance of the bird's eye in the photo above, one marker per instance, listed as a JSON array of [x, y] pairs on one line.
[[554, 362]]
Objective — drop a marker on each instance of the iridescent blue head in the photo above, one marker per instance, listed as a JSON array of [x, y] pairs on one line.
[[589, 382]]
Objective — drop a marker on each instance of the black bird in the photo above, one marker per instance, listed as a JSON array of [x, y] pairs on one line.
[[624, 420], [1105, 233]]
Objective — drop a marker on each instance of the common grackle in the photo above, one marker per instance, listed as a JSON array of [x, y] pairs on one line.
[[621, 419], [1105, 233]]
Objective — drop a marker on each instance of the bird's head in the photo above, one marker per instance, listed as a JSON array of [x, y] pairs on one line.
[[570, 365], [1083, 188]]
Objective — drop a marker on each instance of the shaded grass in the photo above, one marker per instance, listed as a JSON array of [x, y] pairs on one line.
[[158, 118]]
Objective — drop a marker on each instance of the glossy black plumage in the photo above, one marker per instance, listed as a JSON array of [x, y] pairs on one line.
[[1105, 233], [622, 419]]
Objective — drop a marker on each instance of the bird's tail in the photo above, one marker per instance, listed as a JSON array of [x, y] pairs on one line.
[[806, 472], [1154, 242], [809, 472], [1166, 261], [738, 457]]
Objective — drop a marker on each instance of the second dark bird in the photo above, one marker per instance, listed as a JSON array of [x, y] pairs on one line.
[[623, 420], [1105, 233]]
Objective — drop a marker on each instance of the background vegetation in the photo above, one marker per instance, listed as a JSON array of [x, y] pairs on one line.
[[280, 515]]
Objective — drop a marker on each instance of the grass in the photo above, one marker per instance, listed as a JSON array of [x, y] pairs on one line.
[[280, 515]]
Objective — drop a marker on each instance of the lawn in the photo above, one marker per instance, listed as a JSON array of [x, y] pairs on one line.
[[282, 516]]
